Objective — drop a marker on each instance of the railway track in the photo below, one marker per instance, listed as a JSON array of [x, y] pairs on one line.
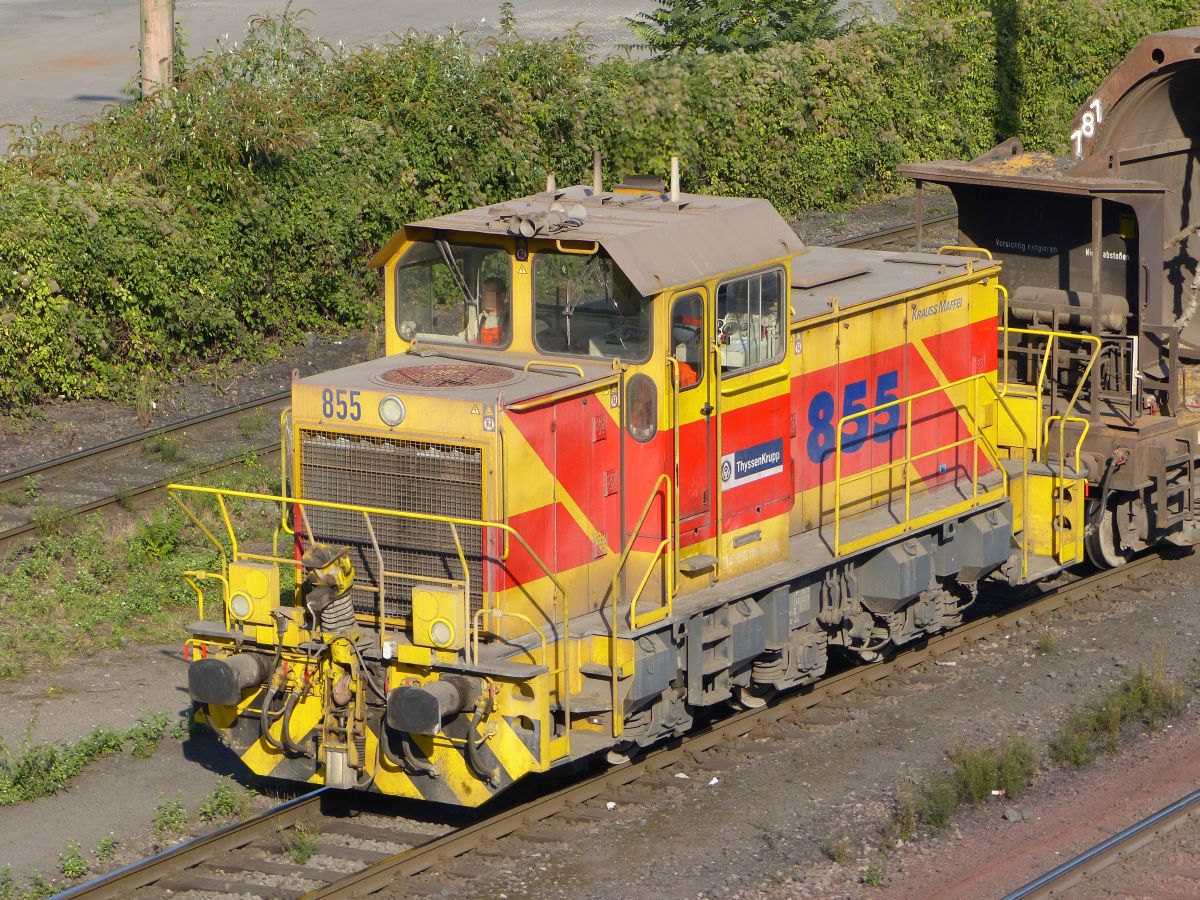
[[129, 468], [228, 860], [1117, 848], [123, 471]]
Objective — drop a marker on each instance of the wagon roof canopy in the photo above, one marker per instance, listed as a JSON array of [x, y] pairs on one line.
[[657, 243]]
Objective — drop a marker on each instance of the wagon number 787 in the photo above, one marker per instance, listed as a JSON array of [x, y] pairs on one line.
[[879, 427], [340, 404]]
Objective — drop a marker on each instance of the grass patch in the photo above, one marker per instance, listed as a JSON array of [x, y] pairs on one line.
[[874, 875], [227, 802], [1145, 700], [35, 772], [50, 521], [71, 864], [88, 587], [106, 850], [300, 842], [975, 772], [169, 819], [164, 448], [253, 423], [837, 851], [1046, 642]]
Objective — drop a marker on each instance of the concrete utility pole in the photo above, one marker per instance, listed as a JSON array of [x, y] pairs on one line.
[[158, 45]]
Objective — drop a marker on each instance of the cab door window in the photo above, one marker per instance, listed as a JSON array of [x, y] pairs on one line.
[[687, 339]]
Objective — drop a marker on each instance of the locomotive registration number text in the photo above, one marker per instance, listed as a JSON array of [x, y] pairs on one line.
[[340, 404], [880, 426]]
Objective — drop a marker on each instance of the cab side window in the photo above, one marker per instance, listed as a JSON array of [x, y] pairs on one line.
[[749, 321], [687, 338]]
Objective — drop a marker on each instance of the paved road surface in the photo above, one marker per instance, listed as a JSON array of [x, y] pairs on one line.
[[65, 60]]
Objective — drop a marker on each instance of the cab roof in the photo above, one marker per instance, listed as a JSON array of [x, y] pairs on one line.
[[658, 243]]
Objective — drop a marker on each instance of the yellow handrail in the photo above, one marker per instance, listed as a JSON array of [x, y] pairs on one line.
[[618, 722], [655, 615], [977, 438], [553, 364], [1052, 337], [476, 624], [1063, 420], [221, 493], [579, 251], [960, 248], [193, 576]]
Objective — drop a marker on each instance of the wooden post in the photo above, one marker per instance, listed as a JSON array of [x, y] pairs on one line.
[[158, 45]]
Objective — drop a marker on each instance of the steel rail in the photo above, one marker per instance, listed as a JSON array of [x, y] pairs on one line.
[[1107, 852], [865, 241], [25, 528], [199, 849], [118, 443]]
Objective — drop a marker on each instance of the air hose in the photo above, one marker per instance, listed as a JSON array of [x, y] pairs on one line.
[[285, 729], [266, 716], [483, 709]]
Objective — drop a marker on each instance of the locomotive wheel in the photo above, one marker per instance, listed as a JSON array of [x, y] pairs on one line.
[[1104, 543]]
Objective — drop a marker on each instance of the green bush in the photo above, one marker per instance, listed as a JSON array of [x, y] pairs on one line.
[[238, 211]]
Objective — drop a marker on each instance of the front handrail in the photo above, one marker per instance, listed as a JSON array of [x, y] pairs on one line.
[[618, 723], [234, 553], [221, 493], [193, 577]]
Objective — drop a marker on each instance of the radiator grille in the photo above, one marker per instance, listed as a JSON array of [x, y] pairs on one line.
[[413, 476]]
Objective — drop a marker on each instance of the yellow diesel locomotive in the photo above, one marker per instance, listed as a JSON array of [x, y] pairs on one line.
[[631, 453]]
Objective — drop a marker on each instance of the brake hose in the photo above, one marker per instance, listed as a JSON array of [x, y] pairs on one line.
[[264, 718], [410, 763], [285, 729], [483, 709]]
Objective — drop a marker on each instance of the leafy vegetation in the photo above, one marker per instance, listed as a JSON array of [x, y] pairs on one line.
[[300, 842], [226, 802], [71, 864], [724, 25], [106, 850], [242, 212], [169, 819]]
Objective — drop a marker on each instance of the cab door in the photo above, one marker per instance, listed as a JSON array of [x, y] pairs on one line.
[[693, 418]]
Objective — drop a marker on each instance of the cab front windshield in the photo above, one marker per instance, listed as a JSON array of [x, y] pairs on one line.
[[585, 306], [459, 293]]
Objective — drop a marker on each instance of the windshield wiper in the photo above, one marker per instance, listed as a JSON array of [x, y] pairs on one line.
[[460, 280]]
